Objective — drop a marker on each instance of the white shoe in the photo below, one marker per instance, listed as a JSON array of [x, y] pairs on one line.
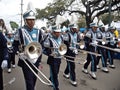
[[66, 75], [74, 83], [85, 71], [13, 66], [105, 69], [9, 70], [98, 67], [107, 63], [112, 66], [92, 74]]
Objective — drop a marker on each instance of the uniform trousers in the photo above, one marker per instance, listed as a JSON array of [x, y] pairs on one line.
[[110, 56], [11, 59], [91, 58], [103, 57], [30, 78], [70, 68], [54, 64], [1, 79]]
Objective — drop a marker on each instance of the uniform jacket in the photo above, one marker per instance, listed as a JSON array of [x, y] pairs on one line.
[[53, 43], [20, 39], [3, 48]]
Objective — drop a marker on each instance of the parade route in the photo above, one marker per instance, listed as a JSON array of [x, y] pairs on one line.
[[105, 81]]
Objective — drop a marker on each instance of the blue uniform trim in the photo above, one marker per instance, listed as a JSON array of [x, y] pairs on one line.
[[92, 62], [109, 57], [51, 76], [102, 58]]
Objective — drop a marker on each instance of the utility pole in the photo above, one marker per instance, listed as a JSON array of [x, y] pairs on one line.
[[21, 12]]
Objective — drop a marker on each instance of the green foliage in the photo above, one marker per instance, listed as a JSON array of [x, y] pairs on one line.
[[105, 18], [82, 22], [13, 25], [93, 8], [52, 10], [66, 23]]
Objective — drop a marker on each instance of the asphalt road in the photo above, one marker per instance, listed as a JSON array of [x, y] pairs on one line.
[[105, 81]]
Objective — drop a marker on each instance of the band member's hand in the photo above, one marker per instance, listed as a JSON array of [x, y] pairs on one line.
[[4, 64], [94, 43], [103, 43], [40, 66], [17, 53], [82, 36], [75, 51], [82, 46]]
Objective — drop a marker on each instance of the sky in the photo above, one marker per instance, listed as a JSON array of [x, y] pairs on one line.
[[11, 9]]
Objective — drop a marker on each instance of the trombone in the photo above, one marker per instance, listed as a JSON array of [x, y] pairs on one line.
[[31, 53], [81, 45], [62, 49], [115, 50]]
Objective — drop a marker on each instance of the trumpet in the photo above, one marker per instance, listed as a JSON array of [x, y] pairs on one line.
[[31, 53]]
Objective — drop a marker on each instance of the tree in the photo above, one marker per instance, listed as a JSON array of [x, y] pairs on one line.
[[51, 11], [13, 25], [87, 8]]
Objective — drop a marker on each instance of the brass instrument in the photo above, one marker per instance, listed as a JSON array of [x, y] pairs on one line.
[[82, 45], [62, 49], [112, 49], [9, 44], [93, 53], [31, 53]]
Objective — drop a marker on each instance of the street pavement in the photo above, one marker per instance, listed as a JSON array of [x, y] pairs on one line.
[[105, 81]]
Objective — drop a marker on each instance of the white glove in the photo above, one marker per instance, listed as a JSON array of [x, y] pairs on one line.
[[94, 43], [82, 46], [4, 64], [82, 36], [103, 43], [71, 48], [75, 51]]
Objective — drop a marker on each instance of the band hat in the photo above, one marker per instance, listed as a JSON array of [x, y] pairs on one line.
[[93, 24], [56, 29], [73, 26], [64, 29], [29, 15], [100, 24], [9, 32], [112, 27]]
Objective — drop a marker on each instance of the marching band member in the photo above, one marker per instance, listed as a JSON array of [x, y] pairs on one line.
[[112, 44], [3, 28], [54, 58], [90, 41], [70, 41], [4, 57], [10, 38], [101, 36], [24, 36], [116, 33]]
